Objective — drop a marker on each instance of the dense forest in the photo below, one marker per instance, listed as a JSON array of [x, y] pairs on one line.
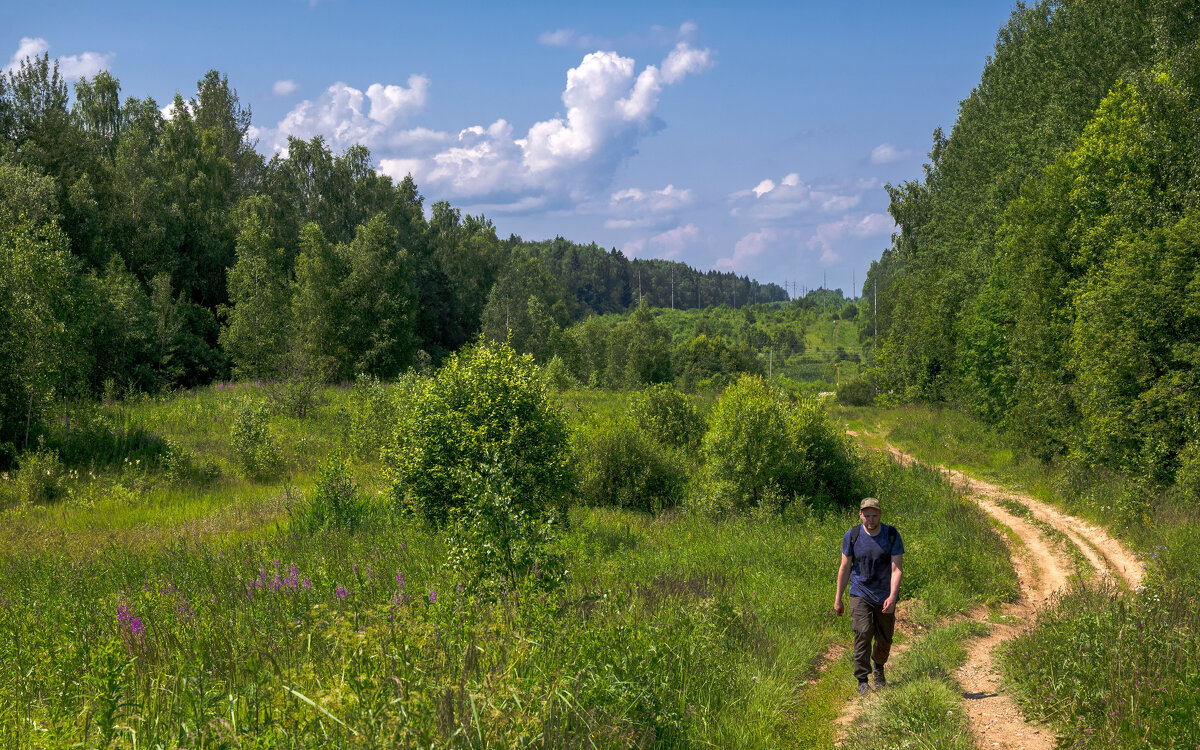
[[1045, 274], [143, 249]]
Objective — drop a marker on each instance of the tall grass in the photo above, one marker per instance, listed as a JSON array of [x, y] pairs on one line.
[[190, 628]]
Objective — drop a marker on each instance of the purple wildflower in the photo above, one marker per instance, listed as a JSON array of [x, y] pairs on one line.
[[341, 593], [432, 596]]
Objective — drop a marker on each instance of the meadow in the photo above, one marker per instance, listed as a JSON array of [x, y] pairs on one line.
[[172, 597]]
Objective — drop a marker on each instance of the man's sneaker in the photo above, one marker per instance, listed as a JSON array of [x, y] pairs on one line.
[[863, 688], [880, 680]]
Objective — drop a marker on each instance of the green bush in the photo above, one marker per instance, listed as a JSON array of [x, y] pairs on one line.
[[40, 477], [669, 415], [495, 544], [558, 375], [487, 404], [335, 502], [373, 414], [623, 465], [856, 392], [769, 449], [254, 449]]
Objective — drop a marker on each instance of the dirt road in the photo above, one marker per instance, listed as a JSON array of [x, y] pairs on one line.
[[1043, 568]]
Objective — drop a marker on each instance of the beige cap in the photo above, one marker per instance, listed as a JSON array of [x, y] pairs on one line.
[[869, 502]]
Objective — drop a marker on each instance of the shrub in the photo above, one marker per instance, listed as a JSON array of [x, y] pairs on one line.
[[253, 448], [335, 501], [770, 450], [39, 477], [372, 416], [496, 543], [669, 415], [558, 375], [621, 464], [486, 405], [856, 392]]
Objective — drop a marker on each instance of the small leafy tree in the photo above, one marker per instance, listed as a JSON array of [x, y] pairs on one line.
[[253, 447], [486, 405], [669, 415], [335, 501], [497, 542], [763, 449], [621, 464]]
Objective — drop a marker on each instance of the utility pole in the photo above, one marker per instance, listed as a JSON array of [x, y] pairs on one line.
[[875, 315], [672, 287], [823, 293], [854, 284]]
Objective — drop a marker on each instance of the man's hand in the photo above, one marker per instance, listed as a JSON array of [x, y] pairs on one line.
[[838, 609], [889, 605]]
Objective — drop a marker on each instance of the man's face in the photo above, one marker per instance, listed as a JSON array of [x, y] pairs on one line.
[[870, 518]]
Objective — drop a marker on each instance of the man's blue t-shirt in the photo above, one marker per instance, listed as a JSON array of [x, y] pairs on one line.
[[871, 575]]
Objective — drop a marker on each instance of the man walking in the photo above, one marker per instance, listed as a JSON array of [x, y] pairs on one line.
[[871, 560]]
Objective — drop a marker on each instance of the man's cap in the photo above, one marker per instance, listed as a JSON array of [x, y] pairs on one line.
[[869, 502]]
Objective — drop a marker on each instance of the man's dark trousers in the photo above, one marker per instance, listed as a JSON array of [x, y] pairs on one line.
[[870, 623]]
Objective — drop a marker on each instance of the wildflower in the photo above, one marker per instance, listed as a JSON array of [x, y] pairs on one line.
[[400, 580], [432, 596], [340, 593]]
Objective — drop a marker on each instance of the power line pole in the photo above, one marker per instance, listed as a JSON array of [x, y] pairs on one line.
[[672, 287], [823, 295]]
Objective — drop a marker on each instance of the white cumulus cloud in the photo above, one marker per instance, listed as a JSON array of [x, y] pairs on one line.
[[634, 207], [609, 107], [346, 115], [285, 87], [70, 67]]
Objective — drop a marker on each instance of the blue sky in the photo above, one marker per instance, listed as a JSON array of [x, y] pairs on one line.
[[755, 138]]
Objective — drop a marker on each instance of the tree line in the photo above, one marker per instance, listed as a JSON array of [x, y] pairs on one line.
[[1045, 274], [147, 248]]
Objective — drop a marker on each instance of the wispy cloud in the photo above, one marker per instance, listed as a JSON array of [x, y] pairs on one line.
[[886, 153], [285, 87]]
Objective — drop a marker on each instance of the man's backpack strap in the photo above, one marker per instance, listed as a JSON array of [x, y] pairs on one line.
[[858, 529]]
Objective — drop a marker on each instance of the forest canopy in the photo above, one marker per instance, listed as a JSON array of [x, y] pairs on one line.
[[1045, 272]]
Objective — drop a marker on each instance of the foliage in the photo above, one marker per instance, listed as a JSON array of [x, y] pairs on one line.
[[668, 415], [769, 451], [1043, 269], [335, 502], [372, 416], [254, 448], [856, 392], [39, 477], [621, 463], [486, 404], [495, 545]]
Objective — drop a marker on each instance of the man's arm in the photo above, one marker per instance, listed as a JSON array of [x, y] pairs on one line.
[[889, 604], [843, 578]]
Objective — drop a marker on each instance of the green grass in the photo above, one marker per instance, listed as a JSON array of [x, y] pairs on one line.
[[920, 707], [671, 631], [1107, 668]]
